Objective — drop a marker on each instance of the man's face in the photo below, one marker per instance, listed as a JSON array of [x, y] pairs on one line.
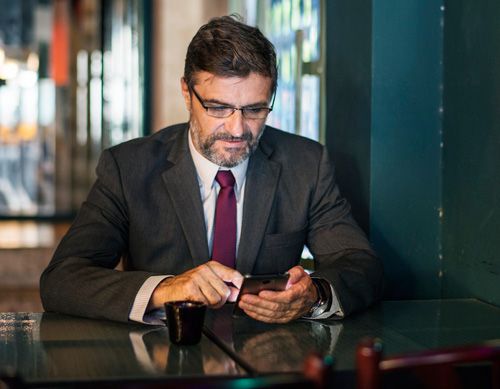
[[226, 141]]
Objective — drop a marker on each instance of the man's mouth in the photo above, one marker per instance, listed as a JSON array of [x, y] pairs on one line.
[[238, 142]]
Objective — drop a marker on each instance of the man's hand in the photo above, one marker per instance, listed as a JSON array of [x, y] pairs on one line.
[[205, 283], [282, 307]]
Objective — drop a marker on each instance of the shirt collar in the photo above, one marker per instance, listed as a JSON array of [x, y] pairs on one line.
[[207, 170]]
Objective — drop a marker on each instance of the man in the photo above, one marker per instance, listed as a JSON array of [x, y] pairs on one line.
[[155, 205]]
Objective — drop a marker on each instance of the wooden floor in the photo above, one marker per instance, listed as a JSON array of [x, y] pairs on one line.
[[26, 248]]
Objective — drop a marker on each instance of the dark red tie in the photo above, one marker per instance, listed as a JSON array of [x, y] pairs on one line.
[[224, 245]]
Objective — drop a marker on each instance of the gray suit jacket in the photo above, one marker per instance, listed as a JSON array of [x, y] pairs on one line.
[[145, 207]]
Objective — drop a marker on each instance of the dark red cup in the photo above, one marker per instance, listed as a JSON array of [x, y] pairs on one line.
[[185, 321]]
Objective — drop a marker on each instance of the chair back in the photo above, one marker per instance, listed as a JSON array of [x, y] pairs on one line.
[[438, 368]]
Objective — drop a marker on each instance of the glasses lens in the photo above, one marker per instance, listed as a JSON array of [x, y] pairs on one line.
[[255, 113], [220, 112], [248, 113]]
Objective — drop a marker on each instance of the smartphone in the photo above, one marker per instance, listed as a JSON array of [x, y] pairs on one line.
[[253, 284]]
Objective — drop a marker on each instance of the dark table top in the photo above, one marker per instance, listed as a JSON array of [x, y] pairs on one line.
[[403, 326], [50, 347]]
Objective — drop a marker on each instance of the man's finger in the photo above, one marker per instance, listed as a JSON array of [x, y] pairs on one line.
[[225, 273], [263, 310], [213, 287], [265, 315], [233, 294], [296, 273], [258, 302], [285, 296], [294, 292], [218, 284], [196, 287]]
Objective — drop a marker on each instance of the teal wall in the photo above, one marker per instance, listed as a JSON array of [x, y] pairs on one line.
[[348, 99], [405, 144], [471, 128], [413, 120]]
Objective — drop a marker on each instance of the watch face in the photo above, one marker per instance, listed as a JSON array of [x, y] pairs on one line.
[[319, 310]]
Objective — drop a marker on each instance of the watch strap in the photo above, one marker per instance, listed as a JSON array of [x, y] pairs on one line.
[[324, 298]]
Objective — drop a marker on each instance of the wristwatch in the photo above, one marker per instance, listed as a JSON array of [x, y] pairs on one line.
[[323, 301]]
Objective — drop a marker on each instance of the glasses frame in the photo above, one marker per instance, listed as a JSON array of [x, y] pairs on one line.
[[233, 108]]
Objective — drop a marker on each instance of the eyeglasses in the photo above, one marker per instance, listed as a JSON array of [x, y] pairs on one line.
[[224, 111]]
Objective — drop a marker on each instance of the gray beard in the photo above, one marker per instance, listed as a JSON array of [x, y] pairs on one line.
[[205, 146]]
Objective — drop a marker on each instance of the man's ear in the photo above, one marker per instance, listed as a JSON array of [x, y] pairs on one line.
[[186, 94]]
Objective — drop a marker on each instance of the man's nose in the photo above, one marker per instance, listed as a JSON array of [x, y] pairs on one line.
[[235, 124]]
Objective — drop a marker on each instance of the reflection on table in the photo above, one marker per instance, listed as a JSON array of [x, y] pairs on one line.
[[54, 348], [404, 326]]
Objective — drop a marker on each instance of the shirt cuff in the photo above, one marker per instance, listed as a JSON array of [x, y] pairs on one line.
[[141, 301]]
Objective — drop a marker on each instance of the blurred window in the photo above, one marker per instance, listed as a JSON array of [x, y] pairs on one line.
[[71, 83]]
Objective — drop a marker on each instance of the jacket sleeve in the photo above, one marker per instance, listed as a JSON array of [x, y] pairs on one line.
[[341, 251], [81, 279]]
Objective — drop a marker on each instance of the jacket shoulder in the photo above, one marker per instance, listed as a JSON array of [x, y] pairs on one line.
[[159, 142], [281, 144]]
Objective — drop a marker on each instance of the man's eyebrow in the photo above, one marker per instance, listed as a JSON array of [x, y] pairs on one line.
[[260, 104], [218, 102]]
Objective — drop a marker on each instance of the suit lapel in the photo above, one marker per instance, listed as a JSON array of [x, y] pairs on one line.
[[260, 188], [183, 188]]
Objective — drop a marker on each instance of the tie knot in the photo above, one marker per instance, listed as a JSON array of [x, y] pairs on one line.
[[225, 178]]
